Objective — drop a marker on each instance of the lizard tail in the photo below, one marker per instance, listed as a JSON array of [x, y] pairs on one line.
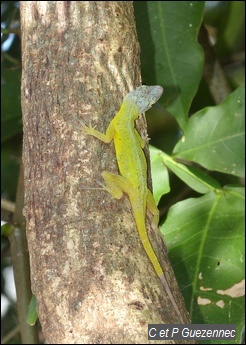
[[140, 222], [141, 226]]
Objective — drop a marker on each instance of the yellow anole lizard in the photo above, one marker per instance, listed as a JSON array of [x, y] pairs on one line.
[[133, 167]]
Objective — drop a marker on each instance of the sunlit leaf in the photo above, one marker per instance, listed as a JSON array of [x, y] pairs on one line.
[[212, 229], [214, 136], [160, 179], [193, 177]]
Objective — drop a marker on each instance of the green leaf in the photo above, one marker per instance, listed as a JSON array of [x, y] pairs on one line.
[[231, 29], [214, 136], [159, 174], [214, 11], [7, 229], [170, 53], [194, 178], [32, 314], [11, 109], [10, 163], [205, 237]]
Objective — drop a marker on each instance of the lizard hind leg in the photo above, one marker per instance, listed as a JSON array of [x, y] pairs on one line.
[[116, 184], [151, 206]]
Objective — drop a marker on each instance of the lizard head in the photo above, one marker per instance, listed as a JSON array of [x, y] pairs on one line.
[[144, 96]]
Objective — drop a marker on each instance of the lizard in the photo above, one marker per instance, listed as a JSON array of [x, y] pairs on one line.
[[132, 166]]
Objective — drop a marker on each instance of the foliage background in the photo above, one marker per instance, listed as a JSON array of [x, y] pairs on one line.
[[171, 57]]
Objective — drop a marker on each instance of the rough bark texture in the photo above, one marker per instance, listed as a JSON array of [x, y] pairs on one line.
[[90, 274]]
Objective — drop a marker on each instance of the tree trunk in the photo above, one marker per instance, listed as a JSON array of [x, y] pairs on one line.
[[90, 274]]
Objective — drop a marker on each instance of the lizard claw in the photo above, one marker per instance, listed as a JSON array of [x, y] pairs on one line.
[[82, 126]]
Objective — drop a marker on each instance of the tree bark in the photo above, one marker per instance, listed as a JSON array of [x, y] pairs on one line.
[[90, 274]]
